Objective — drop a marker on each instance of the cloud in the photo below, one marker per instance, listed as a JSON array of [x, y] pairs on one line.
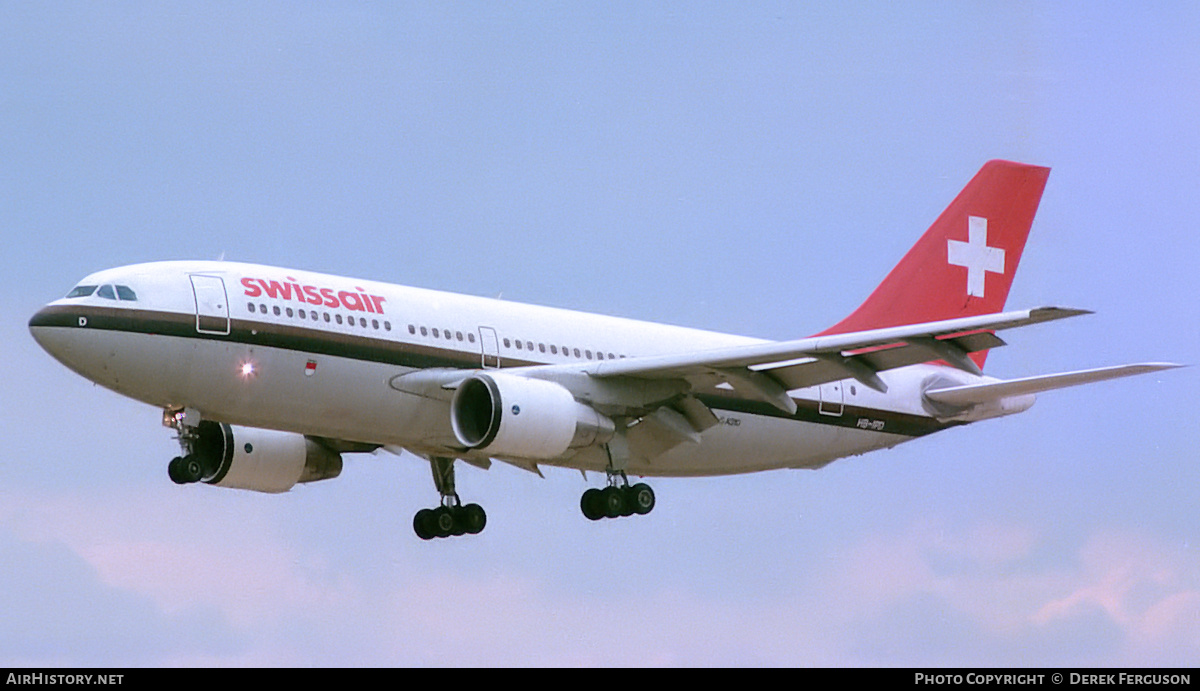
[[160, 576], [995, 595], [1152, 592], [58, 611]]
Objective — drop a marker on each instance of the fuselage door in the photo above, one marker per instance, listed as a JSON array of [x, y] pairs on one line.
[[490, 348], [212, 305], [832, 398]]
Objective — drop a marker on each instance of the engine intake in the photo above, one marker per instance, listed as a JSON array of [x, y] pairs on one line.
[[509, 415], [261, 460]]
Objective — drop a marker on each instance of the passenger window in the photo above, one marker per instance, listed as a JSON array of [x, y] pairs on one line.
[[362, 321], [541, 347], [276, 309], [107, 293], [81, 291], [327, 316], [126, 293], [435, 333], [412, 329], [458, 335], [519, 345], [507, 343], [470, 337], [424, 331], [553, 349], [262, 308], [336, 317]]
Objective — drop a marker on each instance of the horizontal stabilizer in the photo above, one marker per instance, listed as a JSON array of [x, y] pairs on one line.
[[972, 394]]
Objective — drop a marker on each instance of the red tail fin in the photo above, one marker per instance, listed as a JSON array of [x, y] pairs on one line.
[[964, 264]]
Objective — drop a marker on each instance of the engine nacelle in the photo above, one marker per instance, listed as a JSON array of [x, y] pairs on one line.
[[260, 459], [509, 415]]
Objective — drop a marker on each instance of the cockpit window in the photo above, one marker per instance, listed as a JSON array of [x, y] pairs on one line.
[[81, 291], [108, 292]]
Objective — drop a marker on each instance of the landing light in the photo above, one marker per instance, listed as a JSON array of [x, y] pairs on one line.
[[247, 369]]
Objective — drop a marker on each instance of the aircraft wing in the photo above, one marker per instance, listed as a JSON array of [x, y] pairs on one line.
[[767, 371]]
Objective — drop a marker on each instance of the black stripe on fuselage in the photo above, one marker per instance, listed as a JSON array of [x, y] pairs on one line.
[[857, 417], [305, 338]]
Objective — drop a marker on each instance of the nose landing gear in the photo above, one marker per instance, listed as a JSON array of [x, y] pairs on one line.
[[189, 467], [184, 470]]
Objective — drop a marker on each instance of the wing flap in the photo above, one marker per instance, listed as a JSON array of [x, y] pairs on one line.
[[820, 370]]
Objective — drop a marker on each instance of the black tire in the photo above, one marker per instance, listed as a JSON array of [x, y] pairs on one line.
[[460, 525], [423, 524], [443, 522], [613, 501], [191, 469], [175, 471], [641, 497], [591, 504], [473, 518], [626, 501]]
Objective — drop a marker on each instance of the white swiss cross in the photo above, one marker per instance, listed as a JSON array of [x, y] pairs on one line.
[[975, 255]]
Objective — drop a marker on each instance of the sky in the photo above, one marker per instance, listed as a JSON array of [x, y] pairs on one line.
[[754, 168]]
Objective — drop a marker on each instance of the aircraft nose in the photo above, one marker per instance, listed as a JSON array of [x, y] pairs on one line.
[[46, 328]]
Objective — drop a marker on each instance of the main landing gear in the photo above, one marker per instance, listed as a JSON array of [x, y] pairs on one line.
[[618, 499], [451, 518]]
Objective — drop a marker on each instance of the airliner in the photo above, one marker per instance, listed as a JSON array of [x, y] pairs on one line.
[[268, 375]]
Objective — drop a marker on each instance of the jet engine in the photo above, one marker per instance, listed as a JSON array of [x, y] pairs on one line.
[[259, 459], [509, 415]]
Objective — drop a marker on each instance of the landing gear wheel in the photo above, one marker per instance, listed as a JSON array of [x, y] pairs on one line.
[[185, 470], [460, 527], [423, 524], [473, 518], [627, 507], [641, 498], [193, 469], [443, 522], [613, 501], [617, 500], [452, 517], [592, 504], [175, 471]]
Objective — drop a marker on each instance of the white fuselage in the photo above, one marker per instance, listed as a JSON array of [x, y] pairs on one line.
[[316, 354]]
